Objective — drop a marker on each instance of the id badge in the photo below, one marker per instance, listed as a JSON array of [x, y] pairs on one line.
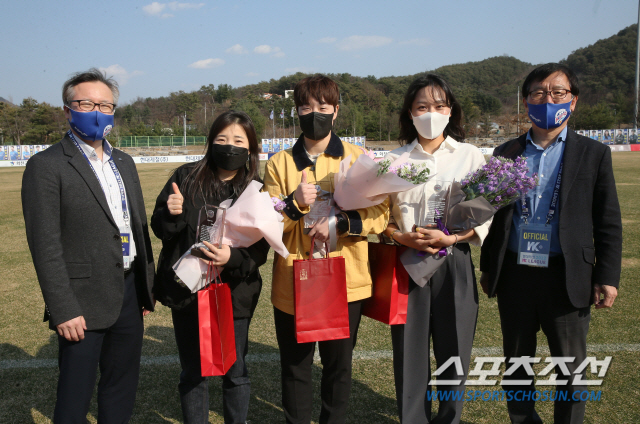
[[534, 243], [126, 244]]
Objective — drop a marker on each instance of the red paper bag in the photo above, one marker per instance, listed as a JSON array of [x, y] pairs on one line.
[[320, 290], [388, 302], [217, 336]]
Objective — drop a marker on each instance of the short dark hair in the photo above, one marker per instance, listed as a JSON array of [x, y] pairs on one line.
[[542, 72], [408, 131], [203, 177], [93, 74], [319, 87]]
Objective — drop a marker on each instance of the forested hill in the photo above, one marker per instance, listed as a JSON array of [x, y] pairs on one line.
[[486, 89], [607, 67], [497, 76]]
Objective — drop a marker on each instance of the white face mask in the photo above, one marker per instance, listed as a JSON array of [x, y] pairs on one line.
[[431, 124]]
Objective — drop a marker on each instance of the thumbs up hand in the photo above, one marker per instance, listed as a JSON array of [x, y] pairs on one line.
[[174, 202], [305, 194]]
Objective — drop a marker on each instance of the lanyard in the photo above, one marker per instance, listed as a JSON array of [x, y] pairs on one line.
[[123, 196], [554, 199]]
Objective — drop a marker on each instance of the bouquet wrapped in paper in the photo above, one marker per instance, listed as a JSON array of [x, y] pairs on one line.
[[367, 183], [251, 218], [470, 203]]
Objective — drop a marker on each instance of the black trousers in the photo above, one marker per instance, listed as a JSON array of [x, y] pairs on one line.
[[530, 299], [296, 360], [193, 387], [117, 351]]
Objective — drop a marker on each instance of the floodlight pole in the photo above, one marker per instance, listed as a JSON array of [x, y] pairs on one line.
[[184, 121], [518, 102], [635, 114]]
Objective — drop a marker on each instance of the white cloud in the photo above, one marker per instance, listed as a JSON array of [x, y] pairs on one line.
[[236, 49], [252, 74], [356, 42], [120, 74], [263, 49], [267, 49], [207, 63], [416, 42], [174, 5], [158, 9], [328, 40], [154, 8]]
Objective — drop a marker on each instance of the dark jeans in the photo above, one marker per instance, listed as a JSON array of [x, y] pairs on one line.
[[117, 351], [193, 388], [296, 360], [530, 299]]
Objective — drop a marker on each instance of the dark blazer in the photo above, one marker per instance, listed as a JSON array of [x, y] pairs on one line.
[[75, 242], [178, 234], [590, 226]]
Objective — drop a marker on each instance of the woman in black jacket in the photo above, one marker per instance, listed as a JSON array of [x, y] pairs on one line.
[[229, 165]]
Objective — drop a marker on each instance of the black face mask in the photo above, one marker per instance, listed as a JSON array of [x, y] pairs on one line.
[[229, 157], [316, 125]]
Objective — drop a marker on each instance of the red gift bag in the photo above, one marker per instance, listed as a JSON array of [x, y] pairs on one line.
[[388, 302], [320, 291], [217, 336]]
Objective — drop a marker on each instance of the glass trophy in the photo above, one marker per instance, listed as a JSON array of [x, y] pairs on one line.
[[321, 207], [433, 207], [210, 228]]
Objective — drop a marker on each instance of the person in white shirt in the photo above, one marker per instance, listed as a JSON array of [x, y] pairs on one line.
[[446, 308], [86, 226]]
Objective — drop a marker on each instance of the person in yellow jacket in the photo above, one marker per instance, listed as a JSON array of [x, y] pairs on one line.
[[304, 176]]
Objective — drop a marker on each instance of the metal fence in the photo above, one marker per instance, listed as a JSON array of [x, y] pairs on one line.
[[149, 141]]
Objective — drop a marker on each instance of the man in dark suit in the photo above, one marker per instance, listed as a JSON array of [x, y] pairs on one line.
[[87, 231], [574, 213]]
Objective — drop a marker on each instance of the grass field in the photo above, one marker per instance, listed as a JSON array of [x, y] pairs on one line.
[[28, 349]]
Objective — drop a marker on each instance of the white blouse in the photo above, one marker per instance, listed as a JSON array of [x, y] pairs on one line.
[[451, 162]]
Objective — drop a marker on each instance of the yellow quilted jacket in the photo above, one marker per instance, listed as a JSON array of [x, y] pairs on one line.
[[282, 176]]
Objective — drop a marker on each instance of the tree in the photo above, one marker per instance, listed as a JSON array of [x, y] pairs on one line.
[[185, 102], [208, 93], [470, 113], [592, 117], [225, 92], [46, 124], [258, 118], [486, 125]]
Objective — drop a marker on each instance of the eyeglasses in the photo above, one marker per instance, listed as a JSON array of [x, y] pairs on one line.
[[538, 95], [88, 106]]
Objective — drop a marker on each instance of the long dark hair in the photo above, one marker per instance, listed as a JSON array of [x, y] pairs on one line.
[[454, 129], [204, 179]]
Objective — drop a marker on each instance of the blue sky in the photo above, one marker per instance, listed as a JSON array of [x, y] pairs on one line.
[[155, 48]]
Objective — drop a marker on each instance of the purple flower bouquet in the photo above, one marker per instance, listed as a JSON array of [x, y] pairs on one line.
[[470, 203], [480, 194]]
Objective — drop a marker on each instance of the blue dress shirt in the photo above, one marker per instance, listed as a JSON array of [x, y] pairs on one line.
[[546, 163]]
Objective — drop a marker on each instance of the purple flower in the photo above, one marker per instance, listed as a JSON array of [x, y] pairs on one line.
[[278, 204], [500, 181]]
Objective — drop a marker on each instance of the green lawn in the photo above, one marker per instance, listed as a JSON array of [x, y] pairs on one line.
[[27, 395]]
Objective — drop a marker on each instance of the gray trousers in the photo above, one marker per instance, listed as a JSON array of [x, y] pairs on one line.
[[446, 309]]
